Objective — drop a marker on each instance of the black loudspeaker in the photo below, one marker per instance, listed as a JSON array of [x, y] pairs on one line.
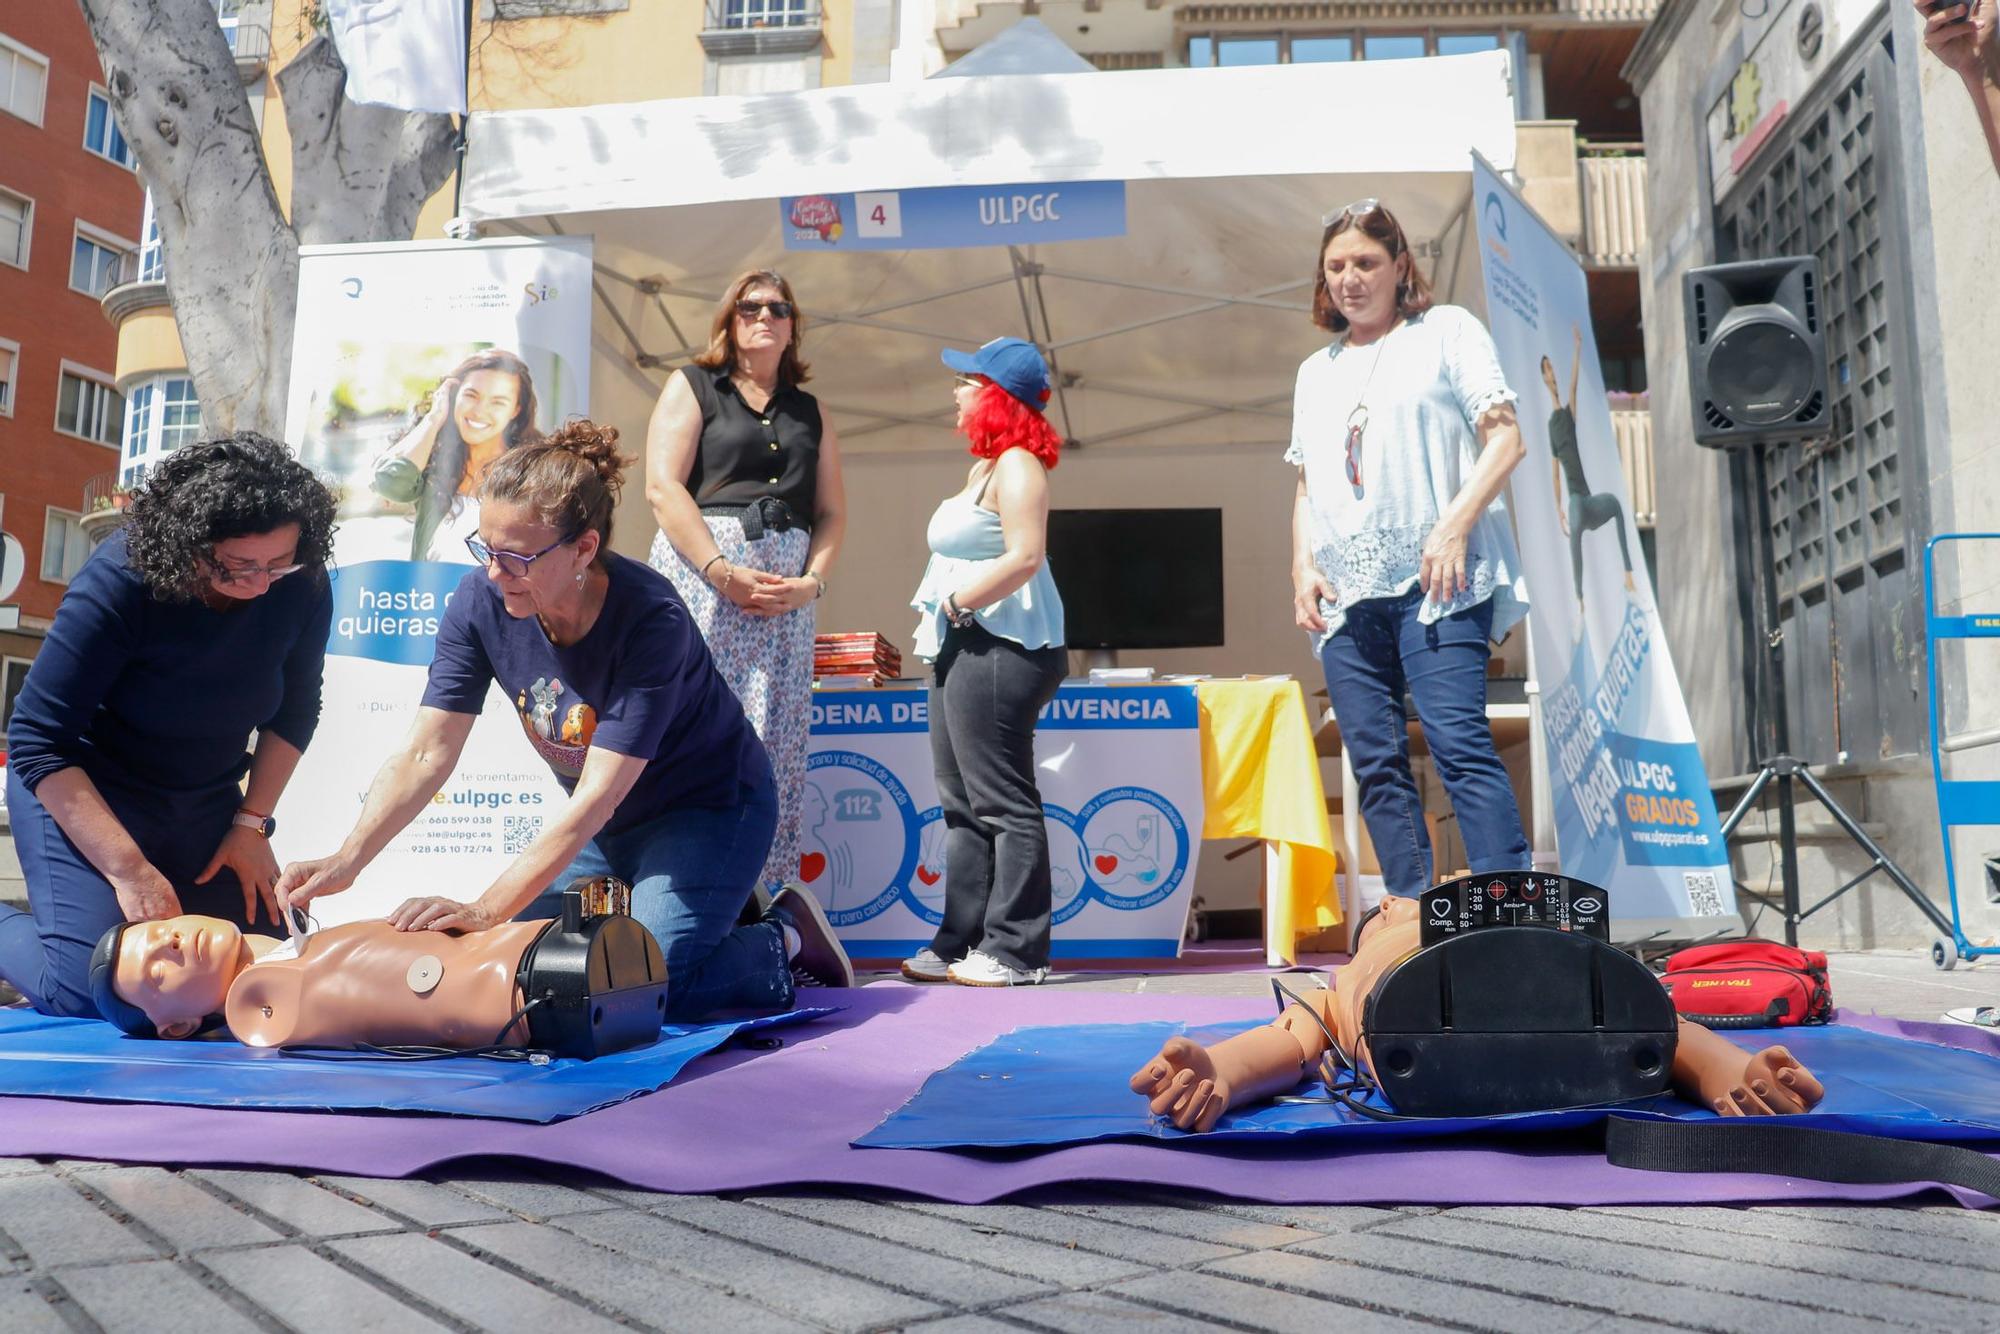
[[1756, 352]]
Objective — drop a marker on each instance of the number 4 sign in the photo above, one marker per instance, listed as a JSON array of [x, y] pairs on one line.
[[878, 214]]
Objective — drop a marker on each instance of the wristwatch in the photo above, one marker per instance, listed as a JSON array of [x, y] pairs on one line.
[[956, 614], [263, 824]]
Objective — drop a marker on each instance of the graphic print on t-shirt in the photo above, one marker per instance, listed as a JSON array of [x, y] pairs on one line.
[[559, 729]]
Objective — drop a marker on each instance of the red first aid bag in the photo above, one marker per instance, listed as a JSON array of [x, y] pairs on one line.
[[1749, 984]]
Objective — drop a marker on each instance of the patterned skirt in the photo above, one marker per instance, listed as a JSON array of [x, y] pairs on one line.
[[767, 660]]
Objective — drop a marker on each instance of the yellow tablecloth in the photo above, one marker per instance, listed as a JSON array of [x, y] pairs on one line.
[[1260, 779]]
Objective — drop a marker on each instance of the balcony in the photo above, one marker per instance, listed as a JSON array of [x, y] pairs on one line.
[[1633, 12], [104, 506], [761, 27], [1592, 194], [1632, 426]]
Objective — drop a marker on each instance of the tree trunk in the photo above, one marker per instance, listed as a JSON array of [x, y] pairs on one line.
[[231, 258]]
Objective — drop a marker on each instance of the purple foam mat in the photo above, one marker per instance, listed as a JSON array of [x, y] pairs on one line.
[[759, 1120]]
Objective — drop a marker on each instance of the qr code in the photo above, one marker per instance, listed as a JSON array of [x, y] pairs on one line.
[[517, 832], [1704, 897]]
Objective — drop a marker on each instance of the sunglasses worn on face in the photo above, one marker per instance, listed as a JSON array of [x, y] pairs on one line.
[[749, 310], [251, 573], [512, 563]]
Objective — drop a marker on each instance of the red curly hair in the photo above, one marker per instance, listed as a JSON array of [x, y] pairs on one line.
[[999, 422]]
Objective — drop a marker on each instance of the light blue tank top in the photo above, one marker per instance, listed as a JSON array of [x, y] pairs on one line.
[[964, 537]]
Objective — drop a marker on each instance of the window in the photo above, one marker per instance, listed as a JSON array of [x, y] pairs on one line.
[[24, 78], [1466, 43], [13, 675], [87, 406], [161, 415], [17, 226], [1312, 48], [100, 130], [152, 267], [99, 262], [769, 13], [1398, 46], [765, 74], [10, 367], [64, 546]]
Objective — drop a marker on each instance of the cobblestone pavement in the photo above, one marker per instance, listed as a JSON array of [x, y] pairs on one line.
[[88, 1246]]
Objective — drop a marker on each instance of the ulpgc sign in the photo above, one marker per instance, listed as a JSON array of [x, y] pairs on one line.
[[954, 216]]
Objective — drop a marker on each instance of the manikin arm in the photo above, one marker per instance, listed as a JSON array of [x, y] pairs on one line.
[[1718, 1074], [1193, 1086]]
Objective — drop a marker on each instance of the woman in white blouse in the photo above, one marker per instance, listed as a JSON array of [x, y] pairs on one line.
[[1403, 561]]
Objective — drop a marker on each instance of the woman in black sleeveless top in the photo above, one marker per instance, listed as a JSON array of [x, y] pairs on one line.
[[743, 474]]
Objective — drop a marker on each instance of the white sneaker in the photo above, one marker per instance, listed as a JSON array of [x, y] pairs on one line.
[[979, 969], [927, 965]]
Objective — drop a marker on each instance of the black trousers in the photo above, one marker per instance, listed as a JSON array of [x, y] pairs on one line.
[[985, 695]]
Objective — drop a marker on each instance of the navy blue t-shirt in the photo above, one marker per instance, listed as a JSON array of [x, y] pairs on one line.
[[640, 683], [145, 694]]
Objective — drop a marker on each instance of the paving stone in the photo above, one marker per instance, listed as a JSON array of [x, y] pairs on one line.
[[312, 1294], [1979, 1226], [10, 1167], [530, 1196], [968, 1237], [299, 1204], [1091, 1231], [471, 1290], [799, 1289], [83, 1165], [425, 1202], [1101, 1313], [1677, 1293], [1301, 1218], [185, 1216], [1928, 1260], [25, 1311], [964, 1324], [56, 1226], [1413, 1293], [1175, 1218], [1887, 1287], [844, 1252], [156, 1297], [1249, 1306], [645, 1291]]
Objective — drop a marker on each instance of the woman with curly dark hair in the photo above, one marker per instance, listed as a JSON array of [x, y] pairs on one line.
[[201, 620], [484, 408]]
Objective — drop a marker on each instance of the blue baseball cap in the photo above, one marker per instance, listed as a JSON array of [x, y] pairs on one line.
[[1011, 363]]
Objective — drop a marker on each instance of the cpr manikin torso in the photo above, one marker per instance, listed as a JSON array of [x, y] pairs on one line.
[[362, 983]]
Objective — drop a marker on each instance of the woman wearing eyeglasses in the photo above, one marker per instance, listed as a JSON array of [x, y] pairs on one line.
[[670, 790], [1403, 563], [199, 621], [743, 474]]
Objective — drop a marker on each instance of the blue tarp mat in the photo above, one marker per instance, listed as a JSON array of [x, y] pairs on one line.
[[43, 1057], [1068, 1085]]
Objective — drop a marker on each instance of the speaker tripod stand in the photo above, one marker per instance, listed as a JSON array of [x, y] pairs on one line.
[[1784, 768]]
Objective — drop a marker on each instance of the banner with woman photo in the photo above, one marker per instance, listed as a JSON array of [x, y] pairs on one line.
[[1633, 808], [415, 365]]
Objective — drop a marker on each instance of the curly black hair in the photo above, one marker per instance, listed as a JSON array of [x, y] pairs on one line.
[[225, 486]]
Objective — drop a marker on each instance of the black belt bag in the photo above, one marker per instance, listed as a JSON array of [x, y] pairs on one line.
[[769, 515]]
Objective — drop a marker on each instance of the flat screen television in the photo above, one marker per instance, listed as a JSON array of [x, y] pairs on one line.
[[1140, 578]]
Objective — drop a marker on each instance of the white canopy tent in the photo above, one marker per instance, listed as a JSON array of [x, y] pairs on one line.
[[1176, 344]]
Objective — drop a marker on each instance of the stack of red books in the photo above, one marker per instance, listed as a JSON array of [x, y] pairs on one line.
[[856, 659]]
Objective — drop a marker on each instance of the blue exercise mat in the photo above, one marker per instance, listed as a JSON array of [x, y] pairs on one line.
[[42, 1057], [1067, 1085]]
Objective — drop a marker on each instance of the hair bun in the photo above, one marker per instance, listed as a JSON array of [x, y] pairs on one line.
[[595, 445]]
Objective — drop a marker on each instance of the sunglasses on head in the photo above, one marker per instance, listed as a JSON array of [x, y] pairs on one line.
[[749, 310], [1358, 210]]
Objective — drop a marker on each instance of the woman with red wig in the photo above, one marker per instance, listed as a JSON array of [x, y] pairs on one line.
[[992, 627]]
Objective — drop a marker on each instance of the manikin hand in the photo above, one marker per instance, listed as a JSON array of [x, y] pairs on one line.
[[1772, 1083], [1183, 1086], [248, 853]]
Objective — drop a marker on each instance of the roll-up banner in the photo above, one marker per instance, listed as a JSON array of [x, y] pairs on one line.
[[415, 364], [1633, 808]]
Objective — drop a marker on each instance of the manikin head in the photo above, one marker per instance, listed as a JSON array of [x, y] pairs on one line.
[[167, 978]]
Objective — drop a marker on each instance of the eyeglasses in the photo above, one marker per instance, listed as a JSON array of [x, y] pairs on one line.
[[969, 381], [749, 310], [1358, 210], [512, 563], [252, 573]]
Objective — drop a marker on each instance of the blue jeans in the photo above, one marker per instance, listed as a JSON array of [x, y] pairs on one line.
[[1381, 651], [45, 952], [691, 870]]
